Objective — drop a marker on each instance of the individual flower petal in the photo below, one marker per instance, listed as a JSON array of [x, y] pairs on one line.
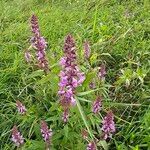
[[73, 101]]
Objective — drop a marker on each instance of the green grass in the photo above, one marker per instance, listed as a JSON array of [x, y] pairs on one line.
[[119, 35]]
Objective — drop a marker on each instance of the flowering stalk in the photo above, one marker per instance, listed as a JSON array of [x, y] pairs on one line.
[[97, 104], [38, 42], [17, 138], [21, 108], [70, 77], [102, 72], [108, 125], [87, 50], [46, 133]]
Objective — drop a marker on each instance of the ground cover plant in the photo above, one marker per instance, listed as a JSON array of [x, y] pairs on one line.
[[74, 75]]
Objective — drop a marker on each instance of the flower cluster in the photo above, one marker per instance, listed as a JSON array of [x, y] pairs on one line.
[[84, 134], [21, 108], [17, 138], [70, 76], [91, 146], [38, 42], [102, 72], [108, 125], [46, 133], [97, 104]]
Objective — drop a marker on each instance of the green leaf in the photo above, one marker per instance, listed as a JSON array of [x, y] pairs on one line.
[[103, 144], [35, 74], [87, 92], [66, 131], [83, 117]]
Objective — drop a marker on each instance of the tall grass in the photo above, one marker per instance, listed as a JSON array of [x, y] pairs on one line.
[[118, 32]]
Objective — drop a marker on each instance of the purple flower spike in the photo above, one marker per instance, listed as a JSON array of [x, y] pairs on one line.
[[87, 50], [46, 132], [91, 146], [39, 44], [108, 125], [17, 138], [70, 77], [102, 72], [97, 104], [21, 108]]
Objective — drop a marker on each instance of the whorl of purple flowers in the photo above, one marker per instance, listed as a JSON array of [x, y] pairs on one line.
[[17, 138], [46, 132], [91, 146], [38, 42], [21, 108], [70, 76], [108, 125], [102, 72], [97, 104]]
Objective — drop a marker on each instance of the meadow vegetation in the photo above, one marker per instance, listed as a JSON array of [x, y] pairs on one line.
[[118, 34]]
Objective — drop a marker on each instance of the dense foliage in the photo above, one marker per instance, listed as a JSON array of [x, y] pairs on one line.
[[103, 43]]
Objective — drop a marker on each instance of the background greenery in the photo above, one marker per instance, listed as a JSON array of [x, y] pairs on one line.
[[119, 35]]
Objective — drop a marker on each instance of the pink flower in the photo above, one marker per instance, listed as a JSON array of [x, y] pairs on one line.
[[73, 101], [108, 125], [21, 108], [70, 77], [17, 138], [91, 146], [65, 116], [97, 104], [92, 85], [74, 82], [63, 61], [102, 72], [46, 132], [39, 44]]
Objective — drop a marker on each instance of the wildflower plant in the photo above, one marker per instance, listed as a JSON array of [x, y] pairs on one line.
[[39, 44], [109, 71], [46, 133], [70, 77], [17, 138]]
